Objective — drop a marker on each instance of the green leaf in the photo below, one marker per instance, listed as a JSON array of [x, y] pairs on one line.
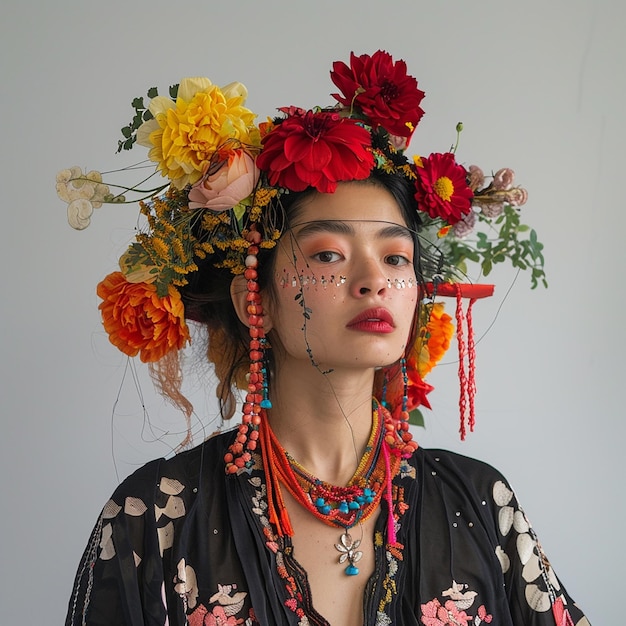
[[416, 418], [126, 131], [153, 92]]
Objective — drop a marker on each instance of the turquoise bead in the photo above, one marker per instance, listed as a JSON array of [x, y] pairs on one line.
[[352, 570]]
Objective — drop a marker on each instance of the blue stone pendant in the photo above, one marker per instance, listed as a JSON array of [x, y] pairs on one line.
[[348, 552]]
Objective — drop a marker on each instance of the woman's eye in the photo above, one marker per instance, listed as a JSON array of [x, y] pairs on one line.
[[327, 256], [397, 259]]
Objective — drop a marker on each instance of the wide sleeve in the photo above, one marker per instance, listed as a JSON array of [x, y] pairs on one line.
[[120, 579], [536, 595]]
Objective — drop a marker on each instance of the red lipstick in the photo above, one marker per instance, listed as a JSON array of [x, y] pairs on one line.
[[377, 320]]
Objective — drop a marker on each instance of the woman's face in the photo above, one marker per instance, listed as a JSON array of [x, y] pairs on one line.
[[344, 290]]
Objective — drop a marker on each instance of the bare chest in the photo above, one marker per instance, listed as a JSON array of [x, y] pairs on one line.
[[337, 596]]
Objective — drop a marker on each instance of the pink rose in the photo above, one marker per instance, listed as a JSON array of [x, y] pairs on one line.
[[517, 196], [224, 189], [503, 179], [492, 210], [464, 227], [476, 178]]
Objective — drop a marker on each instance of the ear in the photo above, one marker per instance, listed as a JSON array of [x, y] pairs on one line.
[[238, 295]]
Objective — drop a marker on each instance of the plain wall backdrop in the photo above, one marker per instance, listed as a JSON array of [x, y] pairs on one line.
[[540, 86]]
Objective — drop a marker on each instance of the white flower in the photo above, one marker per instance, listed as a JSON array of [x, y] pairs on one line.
[[83, 192]]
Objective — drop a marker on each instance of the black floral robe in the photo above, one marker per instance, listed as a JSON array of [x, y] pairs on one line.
[[180, 542]]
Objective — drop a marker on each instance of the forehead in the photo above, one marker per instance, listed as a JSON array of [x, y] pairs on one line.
[[351, 202], [376, 229]]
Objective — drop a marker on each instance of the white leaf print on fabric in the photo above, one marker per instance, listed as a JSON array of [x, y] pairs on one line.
[[170, 486], [173, 509], [503, 557], [106, 543], [520, 523], [134, 507], [166, 537], [110, 510], [537, 600], [502, 495], [186, 584], [525, 546], [505, 519]]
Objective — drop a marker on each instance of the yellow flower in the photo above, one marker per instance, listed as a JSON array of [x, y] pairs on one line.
[[184, 135]]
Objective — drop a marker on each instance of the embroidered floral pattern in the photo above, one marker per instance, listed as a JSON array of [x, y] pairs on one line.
[[453, 611]]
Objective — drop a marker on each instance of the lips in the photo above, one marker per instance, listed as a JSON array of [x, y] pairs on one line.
[[376, 320]]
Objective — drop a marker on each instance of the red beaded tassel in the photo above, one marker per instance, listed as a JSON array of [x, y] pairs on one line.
[[467, 352], [239, 453]]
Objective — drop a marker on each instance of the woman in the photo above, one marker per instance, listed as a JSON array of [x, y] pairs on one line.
[[302, 247]]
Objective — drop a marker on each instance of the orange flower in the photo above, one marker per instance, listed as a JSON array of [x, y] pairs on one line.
[[138, 321], [439, 332]]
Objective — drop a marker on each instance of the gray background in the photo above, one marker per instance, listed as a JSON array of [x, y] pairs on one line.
[[539, 86]]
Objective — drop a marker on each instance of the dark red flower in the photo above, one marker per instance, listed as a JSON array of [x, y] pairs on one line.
[[441, 187], [381, 89], [316, 149]]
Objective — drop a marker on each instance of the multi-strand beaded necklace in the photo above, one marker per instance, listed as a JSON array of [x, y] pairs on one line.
[[341, 507]]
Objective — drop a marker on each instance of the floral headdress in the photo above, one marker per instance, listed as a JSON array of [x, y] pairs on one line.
[[225, 176]]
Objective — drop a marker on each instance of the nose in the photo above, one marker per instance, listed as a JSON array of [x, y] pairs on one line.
[[368, 277]]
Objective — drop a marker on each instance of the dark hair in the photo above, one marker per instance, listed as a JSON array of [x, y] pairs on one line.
[[207, 296]]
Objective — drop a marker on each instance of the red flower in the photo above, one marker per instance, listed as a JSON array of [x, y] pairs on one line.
[[316, 149], [138, 321], [442, 189], [417, 388], [381, 89]]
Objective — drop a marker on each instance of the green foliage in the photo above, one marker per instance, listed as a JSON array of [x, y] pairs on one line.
[[142, 114], [416, 418], [506, 238]]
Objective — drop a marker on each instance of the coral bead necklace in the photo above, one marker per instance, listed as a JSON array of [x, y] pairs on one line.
[[342, 507]]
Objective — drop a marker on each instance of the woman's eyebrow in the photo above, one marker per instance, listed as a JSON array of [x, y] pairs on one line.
[[323, 226], [341, 227]]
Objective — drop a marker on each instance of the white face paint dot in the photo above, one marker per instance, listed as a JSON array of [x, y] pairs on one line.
[[434, 473], [455, 524], [458, 513], [215, 531]]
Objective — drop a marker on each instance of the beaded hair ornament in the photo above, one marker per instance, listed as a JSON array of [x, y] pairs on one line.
[[220, 206]]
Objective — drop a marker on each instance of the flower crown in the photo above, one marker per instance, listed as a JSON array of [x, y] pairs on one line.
[[225, 176]]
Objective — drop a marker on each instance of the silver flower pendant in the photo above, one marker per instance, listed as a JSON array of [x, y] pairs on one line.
[[349, 552]]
